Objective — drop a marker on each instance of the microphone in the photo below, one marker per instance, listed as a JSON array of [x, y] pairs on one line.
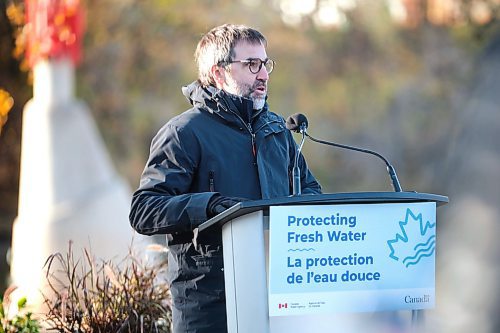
[[298, 121]]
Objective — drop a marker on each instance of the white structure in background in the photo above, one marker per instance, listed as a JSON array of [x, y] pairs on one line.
[[69, 190]]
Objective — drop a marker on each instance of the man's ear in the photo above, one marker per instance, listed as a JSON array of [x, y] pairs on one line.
[[219, 75]]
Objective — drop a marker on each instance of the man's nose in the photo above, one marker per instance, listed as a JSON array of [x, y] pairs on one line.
[[263, 74]]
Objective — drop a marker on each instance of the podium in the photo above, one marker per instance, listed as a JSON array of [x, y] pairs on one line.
[[246, 252]]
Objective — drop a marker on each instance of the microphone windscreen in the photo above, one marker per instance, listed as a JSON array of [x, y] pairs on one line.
[[294, 122]]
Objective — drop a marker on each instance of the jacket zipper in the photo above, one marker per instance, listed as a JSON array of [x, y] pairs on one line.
[[248, 126], [211, 185], [254, 147]]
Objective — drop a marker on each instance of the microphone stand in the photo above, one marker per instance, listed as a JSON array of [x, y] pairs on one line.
[[296, 171], [390, 169]]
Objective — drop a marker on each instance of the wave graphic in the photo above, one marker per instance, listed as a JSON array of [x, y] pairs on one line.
[[426, 243], [417, 254], [301, 250], [422, 255]]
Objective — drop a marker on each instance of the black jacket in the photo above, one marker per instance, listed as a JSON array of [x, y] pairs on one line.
[[218, 146]]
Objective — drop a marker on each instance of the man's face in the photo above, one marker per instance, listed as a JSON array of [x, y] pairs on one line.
[[238, 80]]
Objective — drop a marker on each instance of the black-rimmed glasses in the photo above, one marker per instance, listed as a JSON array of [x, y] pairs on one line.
[[255, 65]]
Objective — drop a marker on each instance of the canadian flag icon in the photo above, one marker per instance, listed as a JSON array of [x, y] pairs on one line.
[[283, 306]]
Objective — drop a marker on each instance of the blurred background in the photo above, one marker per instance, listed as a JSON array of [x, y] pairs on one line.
[[416, 80]]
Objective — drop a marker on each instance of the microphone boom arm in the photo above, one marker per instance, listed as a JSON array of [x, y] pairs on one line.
[[390, 169]]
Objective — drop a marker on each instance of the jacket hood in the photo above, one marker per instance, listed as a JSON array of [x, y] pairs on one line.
[[197, 95]]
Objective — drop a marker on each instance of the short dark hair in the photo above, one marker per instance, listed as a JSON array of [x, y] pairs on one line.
[[217, 46]]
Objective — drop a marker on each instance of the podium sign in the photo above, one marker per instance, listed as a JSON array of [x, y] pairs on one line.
[[351, 258]]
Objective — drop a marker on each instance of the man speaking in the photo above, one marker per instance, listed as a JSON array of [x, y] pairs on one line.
[[227, 148]]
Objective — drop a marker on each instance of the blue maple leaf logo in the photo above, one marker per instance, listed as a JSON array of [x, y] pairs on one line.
[[415, 241]]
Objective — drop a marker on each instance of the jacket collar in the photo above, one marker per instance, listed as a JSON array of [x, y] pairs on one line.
[[216, 100]]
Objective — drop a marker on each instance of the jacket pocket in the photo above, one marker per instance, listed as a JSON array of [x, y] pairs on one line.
[[210, 261], [273, 128]]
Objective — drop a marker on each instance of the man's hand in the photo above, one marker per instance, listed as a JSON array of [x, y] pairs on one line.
[[219, 203]]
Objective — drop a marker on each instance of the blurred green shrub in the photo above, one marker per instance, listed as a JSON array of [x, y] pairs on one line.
[[19, 323]]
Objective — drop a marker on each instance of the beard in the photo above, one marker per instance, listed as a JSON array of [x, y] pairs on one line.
[[247, 91], [258, 102]]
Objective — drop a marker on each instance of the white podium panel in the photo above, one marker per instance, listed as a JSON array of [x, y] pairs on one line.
[[245, 274]]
